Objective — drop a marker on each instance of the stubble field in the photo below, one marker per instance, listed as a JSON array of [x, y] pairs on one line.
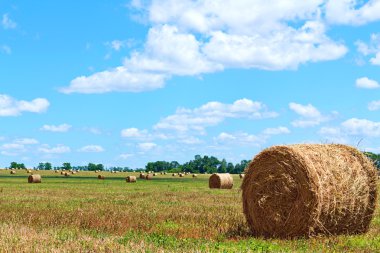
[[80, 213]]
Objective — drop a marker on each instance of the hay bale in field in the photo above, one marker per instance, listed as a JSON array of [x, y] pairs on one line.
[[221, 181], [28, 171], [13, 172], [241, 175], [154, 174], [195, 175], [73, 172], [181, 175], [131, 179], [149, 177], [142, 175], [306, 190], [66, 174], [164, 173], [56, 171], [101, 177], [174, 174], [34, 178]]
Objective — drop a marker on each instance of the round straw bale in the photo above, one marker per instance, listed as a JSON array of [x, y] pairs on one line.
[[34, 178], [66, 174], [142, 175], [29, 171], [195, 175], [165, 173], [181, 175], [174, 174], [13, 172], [56, 171], [149, 177], [221, 181], [101, 177], [241, 175], [309, 189], [131, 179], [154, 174]]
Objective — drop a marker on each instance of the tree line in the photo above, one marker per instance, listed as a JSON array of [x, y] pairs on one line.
[[205, 164]]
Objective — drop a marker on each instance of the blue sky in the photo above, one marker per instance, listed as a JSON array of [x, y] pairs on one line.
[[127, 82]]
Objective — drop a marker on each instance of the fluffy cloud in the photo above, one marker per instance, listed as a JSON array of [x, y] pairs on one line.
[[310, 116], [213, 113], [56, 128], [59, 149], [374, 105], [125, 156], [146, 146], [26, 141], [371, 49], [352, 12], [91, 149], [212, 36], [134, 133], [8, 23], [118, 79], [366, 83], [276, 131], [361, 127], [12, 107]]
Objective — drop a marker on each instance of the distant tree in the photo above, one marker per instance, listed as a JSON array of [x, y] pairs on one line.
[[47, 166], [66, 166], [13, 165], [91, 167], [41, 166]]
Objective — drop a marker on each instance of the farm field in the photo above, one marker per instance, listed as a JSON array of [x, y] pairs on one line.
[[80, 213]]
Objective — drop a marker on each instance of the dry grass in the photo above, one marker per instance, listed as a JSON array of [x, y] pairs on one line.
[[82, 214]]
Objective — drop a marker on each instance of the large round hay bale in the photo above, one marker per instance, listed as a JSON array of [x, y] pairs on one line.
[[154, 174], [131, 179], [174, 174], [34, 178], [305, 190], [195, 175], [13, 172], [221, 181], [181, 175], [101, 177], [142, 175], [149, 177], [241, 176]]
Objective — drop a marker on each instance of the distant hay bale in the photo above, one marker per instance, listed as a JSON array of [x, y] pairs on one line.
[[305, 190], [174, 174], [66, 174], [142, 175], [181, 175], [241, 175], [73, 172], [195, 175], [221, 181], [34, 178], [101, 177], [56, 171], [149, 177], [154, 174], [28, 171], [13, 172], [165, 173], [131, 179]]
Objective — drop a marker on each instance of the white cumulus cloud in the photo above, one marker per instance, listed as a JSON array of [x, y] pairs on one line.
[[91, 149], [366, 83], [56, 128], [374, 105], [59, 149], [362, 127], [371, 49], [191, 38], [310, 116], [146, 146], [213, 113], [12, 107]]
